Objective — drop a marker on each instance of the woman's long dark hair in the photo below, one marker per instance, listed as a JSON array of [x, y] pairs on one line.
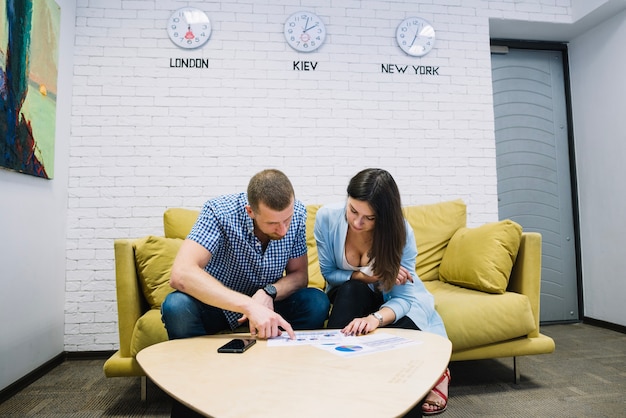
[[378, 188]]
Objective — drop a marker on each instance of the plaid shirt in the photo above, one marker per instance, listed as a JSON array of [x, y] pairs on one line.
[[237, 259]]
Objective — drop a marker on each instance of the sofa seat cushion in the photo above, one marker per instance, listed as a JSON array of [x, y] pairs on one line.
[[473, 318], [149, 330]]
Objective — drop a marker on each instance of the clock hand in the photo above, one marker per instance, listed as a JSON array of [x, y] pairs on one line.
[[305, 25], [416, 33], [317, 24]]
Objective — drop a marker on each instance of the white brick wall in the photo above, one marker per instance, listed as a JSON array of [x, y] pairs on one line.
[[146, 137]]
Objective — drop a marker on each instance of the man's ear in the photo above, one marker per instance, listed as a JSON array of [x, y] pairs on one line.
[[249, 211]]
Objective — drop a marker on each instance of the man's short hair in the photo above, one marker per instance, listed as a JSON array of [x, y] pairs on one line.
[[271, 187]]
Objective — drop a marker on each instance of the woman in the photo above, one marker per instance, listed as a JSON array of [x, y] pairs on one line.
[[367, 257]]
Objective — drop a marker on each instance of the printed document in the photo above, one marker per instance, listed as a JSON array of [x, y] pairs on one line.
[[334, 341]]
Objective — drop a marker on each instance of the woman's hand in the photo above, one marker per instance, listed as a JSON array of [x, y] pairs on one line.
[[404, 276], [361, 326]]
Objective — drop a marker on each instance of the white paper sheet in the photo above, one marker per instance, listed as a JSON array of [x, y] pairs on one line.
[[341, 345]]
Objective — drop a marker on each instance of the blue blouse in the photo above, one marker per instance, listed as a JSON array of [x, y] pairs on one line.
[[410, 299]]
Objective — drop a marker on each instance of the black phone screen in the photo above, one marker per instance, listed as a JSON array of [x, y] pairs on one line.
[[238, 345]]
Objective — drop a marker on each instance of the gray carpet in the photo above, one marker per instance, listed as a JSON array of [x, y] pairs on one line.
[[585, 377]]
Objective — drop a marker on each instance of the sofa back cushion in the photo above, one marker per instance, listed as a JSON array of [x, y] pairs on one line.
[[315, 275], [154, 257], [482, 258], [177, 222], [433, 226]]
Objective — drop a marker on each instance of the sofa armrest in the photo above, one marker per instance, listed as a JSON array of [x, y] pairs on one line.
[[129, 295], [526, 273]]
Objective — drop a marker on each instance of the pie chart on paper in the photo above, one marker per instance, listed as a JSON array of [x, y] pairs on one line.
[[349, 348]]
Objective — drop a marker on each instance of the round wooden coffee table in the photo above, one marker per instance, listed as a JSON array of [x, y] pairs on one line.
[[297, 381]]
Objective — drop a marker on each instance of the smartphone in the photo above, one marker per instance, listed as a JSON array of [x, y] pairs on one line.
[[238, 345]]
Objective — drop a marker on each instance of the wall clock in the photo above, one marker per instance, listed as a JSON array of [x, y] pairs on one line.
[[415, 36], [304, 31], [189, 27]]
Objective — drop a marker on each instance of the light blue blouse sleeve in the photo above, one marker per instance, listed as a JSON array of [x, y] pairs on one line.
[[329, 244]]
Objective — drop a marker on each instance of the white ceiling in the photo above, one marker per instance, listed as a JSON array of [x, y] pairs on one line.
[[586, 14]]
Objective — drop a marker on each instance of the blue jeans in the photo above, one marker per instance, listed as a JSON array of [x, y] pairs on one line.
[[185, 316]]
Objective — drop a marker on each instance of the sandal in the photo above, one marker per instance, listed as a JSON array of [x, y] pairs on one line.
[[441, 406]]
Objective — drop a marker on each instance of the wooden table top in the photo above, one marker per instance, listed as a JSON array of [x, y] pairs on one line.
[[298, 381]]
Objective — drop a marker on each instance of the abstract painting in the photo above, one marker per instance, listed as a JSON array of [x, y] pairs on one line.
[[29, 44]]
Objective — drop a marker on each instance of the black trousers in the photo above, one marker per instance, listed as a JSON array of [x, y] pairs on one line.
[[355, 299]]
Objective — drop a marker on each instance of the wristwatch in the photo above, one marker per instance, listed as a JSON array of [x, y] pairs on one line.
[[270, 290], [379, 317]]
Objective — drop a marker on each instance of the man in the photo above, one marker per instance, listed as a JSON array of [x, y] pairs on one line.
[[245, 259]]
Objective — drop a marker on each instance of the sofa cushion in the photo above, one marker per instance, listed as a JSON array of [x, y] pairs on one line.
[[482, 258], [154, 257], [149, 330], [315, 275], [177, 222], [473, 318], [433, 226]]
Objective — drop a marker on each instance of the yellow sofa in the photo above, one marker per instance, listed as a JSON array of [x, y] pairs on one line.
[[480, 324]]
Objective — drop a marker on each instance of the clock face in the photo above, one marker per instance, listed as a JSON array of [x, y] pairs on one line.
[[189, 27], [415, 36], [304, 31]]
